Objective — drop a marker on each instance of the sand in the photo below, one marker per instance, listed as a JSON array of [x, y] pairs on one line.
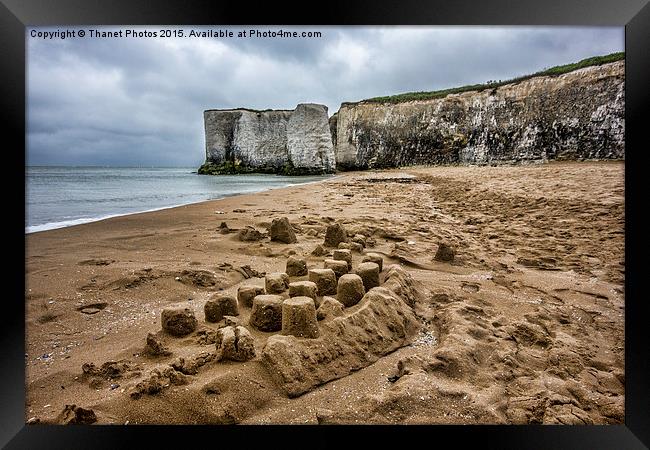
[[524, 325]]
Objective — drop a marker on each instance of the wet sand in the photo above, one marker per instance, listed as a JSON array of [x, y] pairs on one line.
[[525, 325]]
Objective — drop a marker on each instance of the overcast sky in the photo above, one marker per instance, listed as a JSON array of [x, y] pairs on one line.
[[140, 101]]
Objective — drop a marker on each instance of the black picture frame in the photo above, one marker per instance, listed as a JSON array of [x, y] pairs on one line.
[[16, 15]]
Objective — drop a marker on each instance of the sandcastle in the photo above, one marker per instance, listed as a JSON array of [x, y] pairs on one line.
[[304, 289], [299, 317], [369, 273], [375, 258], [296, 267], [266, 314], [220, 305], [350, 289], [246, 294], [343, 254], [178, 321], [340, 268], [314, 310], [276, 283], [325, 280]]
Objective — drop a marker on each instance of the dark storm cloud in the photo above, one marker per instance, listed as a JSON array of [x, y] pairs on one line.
[[130, 101]]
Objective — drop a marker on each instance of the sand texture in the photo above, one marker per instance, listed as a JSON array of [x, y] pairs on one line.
[[518, 318]]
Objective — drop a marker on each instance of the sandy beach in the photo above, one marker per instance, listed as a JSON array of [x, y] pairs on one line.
[[524, 325]]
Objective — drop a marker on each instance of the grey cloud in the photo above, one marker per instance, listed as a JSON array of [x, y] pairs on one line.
[[140, 101]]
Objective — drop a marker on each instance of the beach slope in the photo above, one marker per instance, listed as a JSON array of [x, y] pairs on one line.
[[501, 301]]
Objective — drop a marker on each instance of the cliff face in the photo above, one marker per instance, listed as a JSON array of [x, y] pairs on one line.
[[287, 141], [576, 115]]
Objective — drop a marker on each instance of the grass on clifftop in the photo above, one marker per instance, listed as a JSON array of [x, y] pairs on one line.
[[553, 71]]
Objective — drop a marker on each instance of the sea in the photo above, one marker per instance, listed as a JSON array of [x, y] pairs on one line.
[[58, 197]]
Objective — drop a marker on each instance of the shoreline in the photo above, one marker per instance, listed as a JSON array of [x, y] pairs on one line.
[[83, 221]]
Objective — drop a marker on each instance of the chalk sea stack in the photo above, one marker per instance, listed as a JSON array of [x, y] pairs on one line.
[[288, 142]]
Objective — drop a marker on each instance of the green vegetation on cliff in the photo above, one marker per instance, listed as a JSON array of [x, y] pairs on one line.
[[553, 71]]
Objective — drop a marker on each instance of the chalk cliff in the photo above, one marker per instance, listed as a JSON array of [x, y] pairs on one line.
[[292, 142], [576, 115]]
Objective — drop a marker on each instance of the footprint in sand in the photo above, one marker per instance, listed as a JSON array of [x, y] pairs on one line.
[[93, 308], [470, 287], [96, 262]]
